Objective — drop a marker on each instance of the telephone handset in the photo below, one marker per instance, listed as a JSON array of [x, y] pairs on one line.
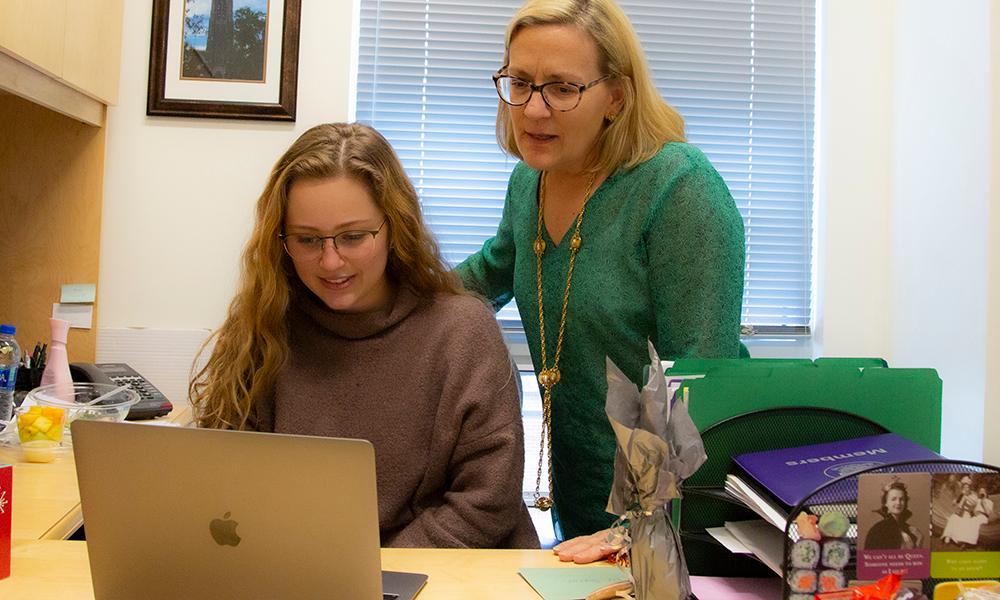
[[152, 402]]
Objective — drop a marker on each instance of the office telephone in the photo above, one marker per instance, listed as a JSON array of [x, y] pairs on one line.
[[152, 402]]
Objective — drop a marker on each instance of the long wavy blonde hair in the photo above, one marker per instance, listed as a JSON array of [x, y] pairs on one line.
[[252, 345], [646, 121]]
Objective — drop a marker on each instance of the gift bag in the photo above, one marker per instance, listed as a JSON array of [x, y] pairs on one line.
[[658, 447]]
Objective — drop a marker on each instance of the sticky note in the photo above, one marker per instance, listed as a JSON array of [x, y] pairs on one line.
[[80, 316], [571, 583], [78, 293]]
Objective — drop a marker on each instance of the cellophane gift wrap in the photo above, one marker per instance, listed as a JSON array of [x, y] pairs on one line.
[[658, 447]]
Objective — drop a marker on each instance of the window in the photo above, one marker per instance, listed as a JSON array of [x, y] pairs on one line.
[[740, 71]]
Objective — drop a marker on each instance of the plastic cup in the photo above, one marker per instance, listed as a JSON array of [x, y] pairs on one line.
[[40, 431]]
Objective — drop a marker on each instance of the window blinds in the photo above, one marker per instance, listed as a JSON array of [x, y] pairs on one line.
[[742, 72]]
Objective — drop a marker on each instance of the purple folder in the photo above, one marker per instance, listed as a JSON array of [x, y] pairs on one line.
[[791, 474]]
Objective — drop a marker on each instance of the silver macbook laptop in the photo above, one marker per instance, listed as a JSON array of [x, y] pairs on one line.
[[197, 513]]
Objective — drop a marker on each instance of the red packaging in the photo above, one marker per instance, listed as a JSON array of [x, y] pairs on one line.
[[883, 589], [6, 502]]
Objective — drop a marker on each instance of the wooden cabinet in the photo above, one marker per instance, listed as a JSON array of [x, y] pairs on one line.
[[94, 47], [34, 31], [58, 59], [62, 54], [51, 191]]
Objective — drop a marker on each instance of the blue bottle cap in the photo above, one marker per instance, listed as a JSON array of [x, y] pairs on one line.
[[8, 329]]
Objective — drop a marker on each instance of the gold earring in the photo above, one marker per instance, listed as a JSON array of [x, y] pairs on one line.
[[610, 118]]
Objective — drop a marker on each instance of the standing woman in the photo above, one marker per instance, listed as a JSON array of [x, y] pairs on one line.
[[344, 326], [614, 231]]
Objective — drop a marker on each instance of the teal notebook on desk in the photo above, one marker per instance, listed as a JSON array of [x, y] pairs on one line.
[[571, 583]]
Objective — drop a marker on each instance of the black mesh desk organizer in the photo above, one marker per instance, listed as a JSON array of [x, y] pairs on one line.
[[705, 503], [832, 494]]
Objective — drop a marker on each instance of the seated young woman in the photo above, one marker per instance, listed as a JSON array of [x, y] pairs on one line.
[[347, 323]]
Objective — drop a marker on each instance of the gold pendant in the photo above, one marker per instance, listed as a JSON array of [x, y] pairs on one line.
[[549, 377]]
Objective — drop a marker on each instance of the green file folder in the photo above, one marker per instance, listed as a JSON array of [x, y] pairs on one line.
[[904, 401]]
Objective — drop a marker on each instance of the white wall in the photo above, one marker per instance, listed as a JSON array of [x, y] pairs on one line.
[[179, 192], [179, 198], [903, 195], [853, 177], [991, 445], [903, 87], [940, 206]]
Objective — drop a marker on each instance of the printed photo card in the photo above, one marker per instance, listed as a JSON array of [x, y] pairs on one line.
[[942, 525], [965, 535], [894, 525]]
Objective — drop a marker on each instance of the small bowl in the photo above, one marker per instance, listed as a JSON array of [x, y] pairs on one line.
[[77, 401]]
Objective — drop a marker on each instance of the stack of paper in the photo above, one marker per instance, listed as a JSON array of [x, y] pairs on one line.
[[752, 537], [768, 510]]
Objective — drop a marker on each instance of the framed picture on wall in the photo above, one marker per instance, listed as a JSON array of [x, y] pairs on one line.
[[234, 59]]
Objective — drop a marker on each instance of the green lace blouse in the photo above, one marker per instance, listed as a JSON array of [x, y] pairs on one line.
[[662, 259]]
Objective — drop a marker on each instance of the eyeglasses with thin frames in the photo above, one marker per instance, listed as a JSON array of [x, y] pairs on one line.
[[562, 96], [353, 244]]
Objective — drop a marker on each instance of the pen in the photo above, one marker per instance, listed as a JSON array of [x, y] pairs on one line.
[[36, 372]]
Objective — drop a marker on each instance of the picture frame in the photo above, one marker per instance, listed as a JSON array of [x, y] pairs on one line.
[[205, 63]]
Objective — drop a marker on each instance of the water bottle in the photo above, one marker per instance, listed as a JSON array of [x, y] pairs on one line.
[[10, 358]]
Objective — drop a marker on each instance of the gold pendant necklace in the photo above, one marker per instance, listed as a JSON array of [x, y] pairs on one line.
[[548, 377]]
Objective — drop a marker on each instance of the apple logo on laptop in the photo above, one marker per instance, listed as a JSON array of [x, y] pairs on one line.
[[224, 531]]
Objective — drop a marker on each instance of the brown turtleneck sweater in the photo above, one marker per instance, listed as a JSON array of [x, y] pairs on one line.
[[430, 384]]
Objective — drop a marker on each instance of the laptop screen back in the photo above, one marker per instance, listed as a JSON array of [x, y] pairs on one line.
[[199, 513]]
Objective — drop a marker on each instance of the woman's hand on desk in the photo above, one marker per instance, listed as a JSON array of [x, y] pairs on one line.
[[588, 548]]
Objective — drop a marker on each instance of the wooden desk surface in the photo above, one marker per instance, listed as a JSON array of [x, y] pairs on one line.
[[58, 570], [46, 567], [50, 489]]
